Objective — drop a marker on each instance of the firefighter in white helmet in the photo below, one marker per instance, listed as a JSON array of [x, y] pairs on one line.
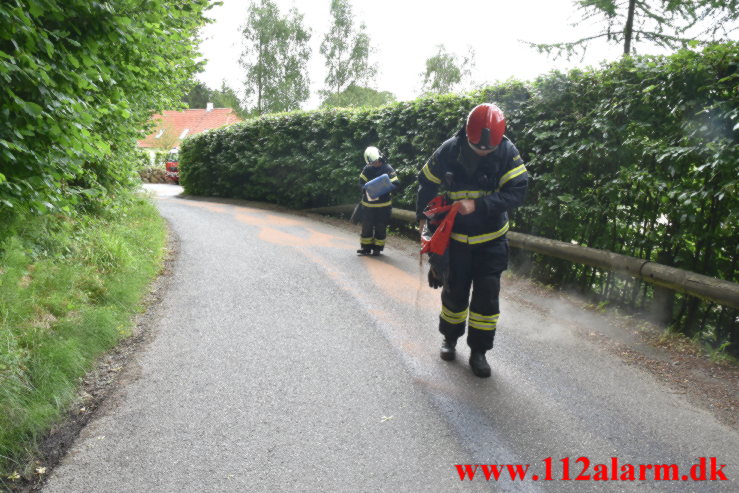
[[376, 209]]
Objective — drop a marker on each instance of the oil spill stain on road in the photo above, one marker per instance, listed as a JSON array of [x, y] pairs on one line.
[[220, 209], [400, 285], [277, 229], [277, 237], [295, 233], [251, 218], [283, 220]]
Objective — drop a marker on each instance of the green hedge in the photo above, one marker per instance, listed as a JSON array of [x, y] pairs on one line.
[[640, 158], [311, 159], [637, 157]]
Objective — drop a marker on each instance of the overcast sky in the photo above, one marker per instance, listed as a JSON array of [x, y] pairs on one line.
[[404, 33]]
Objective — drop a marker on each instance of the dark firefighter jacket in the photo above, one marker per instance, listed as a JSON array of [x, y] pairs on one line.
[[497, 183], [368, 174]]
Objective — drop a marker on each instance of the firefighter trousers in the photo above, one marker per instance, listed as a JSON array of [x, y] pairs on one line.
[[476, 268], [374, 227]]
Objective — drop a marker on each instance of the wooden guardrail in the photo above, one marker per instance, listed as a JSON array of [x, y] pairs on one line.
[[708, 288]]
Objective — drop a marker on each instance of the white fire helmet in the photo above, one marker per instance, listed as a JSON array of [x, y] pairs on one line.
[[371, 154]]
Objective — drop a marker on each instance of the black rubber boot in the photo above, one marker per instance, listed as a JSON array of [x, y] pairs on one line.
[[479, 364], [364, 251], [448, 351], [376, 251]]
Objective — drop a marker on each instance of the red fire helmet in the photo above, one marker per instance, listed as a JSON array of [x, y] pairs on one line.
[[485, 126]]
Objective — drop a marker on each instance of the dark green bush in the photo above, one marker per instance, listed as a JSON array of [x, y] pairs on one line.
[[640, 158], [310, 159]]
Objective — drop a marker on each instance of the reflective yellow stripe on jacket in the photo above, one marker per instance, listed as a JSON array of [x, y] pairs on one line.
[[429, 175], [468, 194], [517, 171], [474, 240], [375, 204]]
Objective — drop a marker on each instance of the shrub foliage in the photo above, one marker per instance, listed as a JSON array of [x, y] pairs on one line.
[[78, 81]]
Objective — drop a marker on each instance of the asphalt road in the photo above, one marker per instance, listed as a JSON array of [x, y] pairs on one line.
[[281, 361]]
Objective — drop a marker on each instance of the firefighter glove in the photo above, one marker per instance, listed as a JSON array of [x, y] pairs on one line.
[[434, 280]]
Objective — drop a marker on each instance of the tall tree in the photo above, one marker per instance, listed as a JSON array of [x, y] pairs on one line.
[[226, 97], [355, 95], [346, 51], [445, 71], [667, 23], [275, 59], [198, 96]]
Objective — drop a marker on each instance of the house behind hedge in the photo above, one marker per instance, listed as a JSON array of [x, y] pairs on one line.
[[171, 127]]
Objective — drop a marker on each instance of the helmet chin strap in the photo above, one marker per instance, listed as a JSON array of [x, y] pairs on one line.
[[481, 148], [484, 143], [484, 139]]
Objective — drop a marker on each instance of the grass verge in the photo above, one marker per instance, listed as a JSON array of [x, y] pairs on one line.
[[69, 287]]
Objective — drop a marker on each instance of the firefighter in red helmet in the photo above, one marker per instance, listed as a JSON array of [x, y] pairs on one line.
[[482, 170]]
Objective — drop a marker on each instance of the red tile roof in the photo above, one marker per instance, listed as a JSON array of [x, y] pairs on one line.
[[175, 122]]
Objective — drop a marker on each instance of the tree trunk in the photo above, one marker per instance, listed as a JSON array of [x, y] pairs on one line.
[[628, 29], [260, 62], [691, 318]]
